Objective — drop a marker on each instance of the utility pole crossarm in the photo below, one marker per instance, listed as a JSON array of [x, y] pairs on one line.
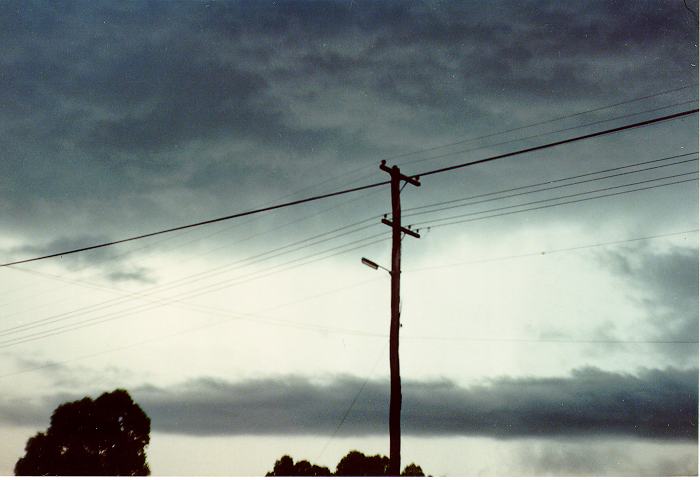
[[411, 180], [403, 229]]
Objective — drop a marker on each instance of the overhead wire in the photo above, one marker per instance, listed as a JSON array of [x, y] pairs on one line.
[[541, 253], [408, 337], [209, 251], [369, 186], [205, 289], [522, 127], [91, 322], [539, 123], [550, 340], [201, 223], [549, 182], [354, 399], [520, 139], [565, 141], [228, 282], [265, 232], [552, 132], [433, 226], [176, 299], [6, 315], [384, 183], [241, 263], [451, 204], [638, 124]]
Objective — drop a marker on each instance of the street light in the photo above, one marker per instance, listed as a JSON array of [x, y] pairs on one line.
[[374, 265]]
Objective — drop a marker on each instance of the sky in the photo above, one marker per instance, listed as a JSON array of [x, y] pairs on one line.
[[549, 309]]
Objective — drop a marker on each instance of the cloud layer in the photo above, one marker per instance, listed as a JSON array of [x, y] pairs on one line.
[[110, 109], [659, 404]]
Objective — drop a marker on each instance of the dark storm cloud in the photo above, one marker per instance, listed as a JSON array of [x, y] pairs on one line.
[[658, 404], [111, 105], [666, 283], [23, 413]]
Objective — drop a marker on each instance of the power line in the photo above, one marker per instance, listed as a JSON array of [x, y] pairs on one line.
[[413, 161], [207, 273], [502, 132], [249, 237], [539, 190], [197, 292], [91, 322], [535, 124], [178, 333], [354, 400], [214, 310], [257, 275], [482, 137], [529, 137], [169, 301], [560, 142], [433, 226], [549, 182], [170, 285], [405, 210], [369, 186], [561, 130], [542, 253], [274, 253], [363, 221], [241, 263], [551, 340], [199, 224], [494, 259], [534, 202]]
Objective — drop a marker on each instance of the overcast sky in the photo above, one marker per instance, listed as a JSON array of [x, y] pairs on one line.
[[547, 330]]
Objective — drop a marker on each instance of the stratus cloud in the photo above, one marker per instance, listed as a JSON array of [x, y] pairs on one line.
[[660, 404], [656, 403]]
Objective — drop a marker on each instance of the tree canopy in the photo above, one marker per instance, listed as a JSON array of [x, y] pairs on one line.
[[354, 464], [357, 464], [285, 467], [106, 436]]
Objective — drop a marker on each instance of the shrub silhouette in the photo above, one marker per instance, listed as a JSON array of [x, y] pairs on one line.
[[106, 436], [412, 470]]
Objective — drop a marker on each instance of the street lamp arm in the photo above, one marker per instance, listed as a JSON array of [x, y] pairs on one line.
[[374, 265]]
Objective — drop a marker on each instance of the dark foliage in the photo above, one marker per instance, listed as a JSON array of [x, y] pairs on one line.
[[413, 470], [285, 467], [106, 436], [357, 464], [354, 464]]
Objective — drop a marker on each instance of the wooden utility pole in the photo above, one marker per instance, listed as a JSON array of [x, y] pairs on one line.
[[397, 231]]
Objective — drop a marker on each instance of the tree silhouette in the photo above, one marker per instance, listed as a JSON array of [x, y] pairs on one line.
[[357, 464], [106, 436], [354, 464], [285, 467]]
